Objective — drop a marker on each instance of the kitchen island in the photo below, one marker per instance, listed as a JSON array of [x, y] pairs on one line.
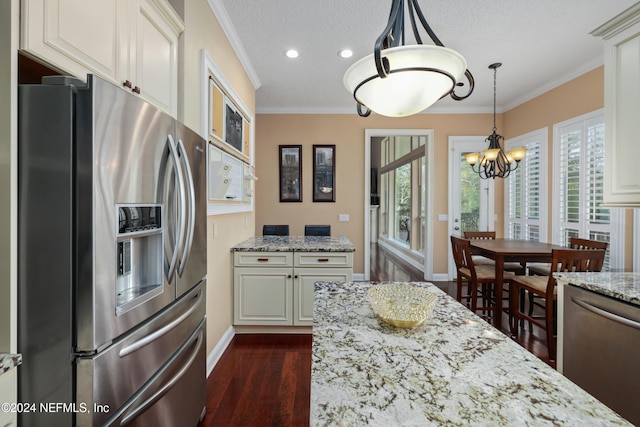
[[274, 276], [454, 369]]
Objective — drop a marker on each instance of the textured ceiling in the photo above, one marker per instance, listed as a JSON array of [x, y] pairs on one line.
[[541, 44]]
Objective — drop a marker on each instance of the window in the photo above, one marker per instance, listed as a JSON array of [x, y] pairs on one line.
[[578, 189], [402, 190], [525, 203]]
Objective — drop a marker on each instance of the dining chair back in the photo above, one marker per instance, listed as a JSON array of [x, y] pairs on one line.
[[574, 243], [545, 287], [317, 230], [480, 280], [275, 230]]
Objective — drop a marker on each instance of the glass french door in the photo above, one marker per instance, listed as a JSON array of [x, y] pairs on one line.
[[471, 205]]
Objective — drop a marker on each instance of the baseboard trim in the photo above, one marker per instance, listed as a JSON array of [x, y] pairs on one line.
[[441, 277], [218, 350]]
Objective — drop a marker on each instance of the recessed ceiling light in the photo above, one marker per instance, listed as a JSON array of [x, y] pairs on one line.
[[291, 53], [345, 53]]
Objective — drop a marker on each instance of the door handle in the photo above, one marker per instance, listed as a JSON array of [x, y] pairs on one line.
[[137, 345], [191, 207], [605, 313], [173, 151], [139, 409]]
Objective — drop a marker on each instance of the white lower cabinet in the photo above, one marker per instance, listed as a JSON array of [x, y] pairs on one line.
[[276, 288]]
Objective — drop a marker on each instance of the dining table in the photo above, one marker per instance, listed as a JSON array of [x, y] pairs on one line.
[[510, 250]]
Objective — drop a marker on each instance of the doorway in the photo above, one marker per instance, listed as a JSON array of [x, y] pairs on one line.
[[471, 206], [405, 231]]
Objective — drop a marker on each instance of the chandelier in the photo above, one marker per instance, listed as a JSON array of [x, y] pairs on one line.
[[399, 80], [493, 162]]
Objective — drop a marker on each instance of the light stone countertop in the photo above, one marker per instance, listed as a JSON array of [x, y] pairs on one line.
[[9, 361], [622, 286], [454, 369], [295, 243]]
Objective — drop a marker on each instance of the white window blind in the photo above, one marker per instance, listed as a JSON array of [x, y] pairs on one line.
[[525, 204], [579, 167]]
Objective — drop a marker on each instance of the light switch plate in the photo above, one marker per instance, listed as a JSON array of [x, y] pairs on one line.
[[343, 217], [443, 217]]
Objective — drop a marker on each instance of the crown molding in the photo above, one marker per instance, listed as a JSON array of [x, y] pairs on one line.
[[229, 30]]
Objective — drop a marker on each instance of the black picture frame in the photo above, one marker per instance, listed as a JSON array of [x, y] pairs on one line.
[[290, 164], [324, 173]]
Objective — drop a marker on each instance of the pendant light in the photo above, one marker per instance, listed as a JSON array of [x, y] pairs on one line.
[[400, 80], [493, 162]]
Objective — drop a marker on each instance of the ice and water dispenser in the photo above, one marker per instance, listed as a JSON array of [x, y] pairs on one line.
[[139, 263]]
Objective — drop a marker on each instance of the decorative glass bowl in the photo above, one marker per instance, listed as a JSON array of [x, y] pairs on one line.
[[403, 306]]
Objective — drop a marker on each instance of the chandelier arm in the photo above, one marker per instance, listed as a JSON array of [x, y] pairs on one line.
[[385, 37], [472, 85], [414, 27], [362, 113], [425, 24]]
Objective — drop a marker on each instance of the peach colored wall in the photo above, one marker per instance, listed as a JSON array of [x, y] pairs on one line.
[[578, 96], [202, 31], [347, 132], [581, 95]]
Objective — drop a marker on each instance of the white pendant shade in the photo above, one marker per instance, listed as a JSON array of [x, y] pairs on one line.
[[403, 93]]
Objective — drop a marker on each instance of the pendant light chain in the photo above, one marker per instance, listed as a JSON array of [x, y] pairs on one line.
[[495, 71]]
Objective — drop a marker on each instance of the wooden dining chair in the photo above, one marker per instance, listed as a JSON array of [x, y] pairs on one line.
[[480, 281], [544, 269], [569, 260], [514, 267], [574, 243]]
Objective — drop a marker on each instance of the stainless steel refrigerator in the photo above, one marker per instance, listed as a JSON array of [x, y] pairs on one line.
[[112, 259]]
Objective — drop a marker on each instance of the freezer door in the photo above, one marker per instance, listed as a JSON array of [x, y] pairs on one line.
[[192, 264], [154, 376]]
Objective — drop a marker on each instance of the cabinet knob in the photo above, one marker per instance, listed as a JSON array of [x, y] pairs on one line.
[[288, 276], [136, 90], [295, 277], [127, 83]]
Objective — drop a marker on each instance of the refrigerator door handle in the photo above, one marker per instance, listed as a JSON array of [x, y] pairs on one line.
[[131, 348], [173, 151], [192, 207], [139, 409]]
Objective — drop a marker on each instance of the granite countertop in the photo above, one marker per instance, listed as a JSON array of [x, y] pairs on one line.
[[9, 361], [295, 243], [622, 286], [454, 369]]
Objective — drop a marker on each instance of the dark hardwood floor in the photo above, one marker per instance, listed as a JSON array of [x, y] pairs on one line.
[[265, 379]]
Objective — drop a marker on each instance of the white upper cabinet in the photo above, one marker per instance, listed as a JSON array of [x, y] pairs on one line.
[[133, 43], [74, 36], [150, 52], [622, 108]]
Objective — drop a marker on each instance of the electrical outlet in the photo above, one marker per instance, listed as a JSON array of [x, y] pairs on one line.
[[215, 230]]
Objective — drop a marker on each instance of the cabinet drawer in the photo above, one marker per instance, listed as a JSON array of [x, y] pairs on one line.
[[324, 259], [262, 259]]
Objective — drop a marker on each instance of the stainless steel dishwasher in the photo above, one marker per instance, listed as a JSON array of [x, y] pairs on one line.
[[602, 349]]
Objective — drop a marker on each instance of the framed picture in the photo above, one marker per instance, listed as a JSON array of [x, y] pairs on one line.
[[324, 173], [290, 173]]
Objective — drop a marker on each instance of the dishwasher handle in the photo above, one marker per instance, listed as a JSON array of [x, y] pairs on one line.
[[605, 313]]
